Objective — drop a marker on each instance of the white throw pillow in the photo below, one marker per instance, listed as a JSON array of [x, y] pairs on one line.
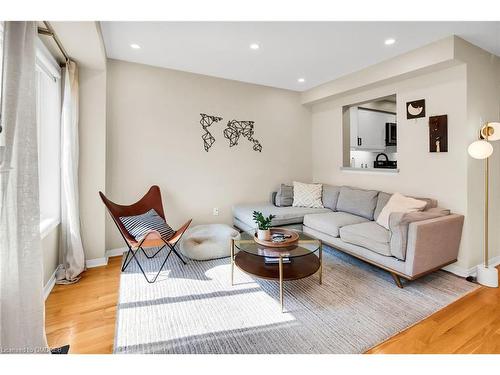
[[307, 195], [399, 203]]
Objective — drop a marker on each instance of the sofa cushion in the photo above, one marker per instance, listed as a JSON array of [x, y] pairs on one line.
[[307, 195], [399, 203], [331, 222], [284, 196], [382, 200], [369, 235], [357, 202], [330, 196], [283, 215]]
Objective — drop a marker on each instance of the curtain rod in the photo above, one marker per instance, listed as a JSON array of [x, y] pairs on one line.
[[50, 32]]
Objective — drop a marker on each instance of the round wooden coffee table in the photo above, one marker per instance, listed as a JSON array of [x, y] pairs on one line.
[[303, 259]]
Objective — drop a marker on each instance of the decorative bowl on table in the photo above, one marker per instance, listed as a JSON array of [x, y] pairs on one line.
[[280, 237]]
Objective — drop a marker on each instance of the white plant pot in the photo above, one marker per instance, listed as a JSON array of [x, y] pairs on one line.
[[264, 235]]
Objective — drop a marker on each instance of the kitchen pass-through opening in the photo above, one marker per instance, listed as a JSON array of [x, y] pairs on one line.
[[370, 135]]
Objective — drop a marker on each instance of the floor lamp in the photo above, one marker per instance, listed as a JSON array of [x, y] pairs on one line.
[[482, 149]]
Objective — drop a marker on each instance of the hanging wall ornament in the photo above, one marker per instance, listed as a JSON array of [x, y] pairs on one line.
[[415, 109], [235, 129], [208, 138]]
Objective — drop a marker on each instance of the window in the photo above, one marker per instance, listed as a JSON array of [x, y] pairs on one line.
[[48, 114]]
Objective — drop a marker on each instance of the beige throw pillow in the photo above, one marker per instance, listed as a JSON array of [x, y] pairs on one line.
[[399, 203], [307, 195]]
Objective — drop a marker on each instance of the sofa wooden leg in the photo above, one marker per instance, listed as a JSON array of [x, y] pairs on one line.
[[397, 280]]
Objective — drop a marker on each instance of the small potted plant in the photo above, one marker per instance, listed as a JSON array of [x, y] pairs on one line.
[[263, 223]]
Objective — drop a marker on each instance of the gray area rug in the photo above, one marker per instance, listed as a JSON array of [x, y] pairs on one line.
[[194, 308]]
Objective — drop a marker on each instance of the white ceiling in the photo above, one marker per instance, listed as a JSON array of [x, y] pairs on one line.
[[316, 51]]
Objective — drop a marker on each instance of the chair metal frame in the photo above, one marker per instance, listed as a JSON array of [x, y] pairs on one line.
[[151, 239]]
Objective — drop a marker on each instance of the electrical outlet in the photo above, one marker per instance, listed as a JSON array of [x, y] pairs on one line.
[[216, 211]]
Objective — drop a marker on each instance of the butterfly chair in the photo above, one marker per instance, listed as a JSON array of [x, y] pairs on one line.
[[152, 200]]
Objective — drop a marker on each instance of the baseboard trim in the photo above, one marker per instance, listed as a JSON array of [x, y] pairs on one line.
[[115, 252], [466, 272], [97, 262], [50, 283]]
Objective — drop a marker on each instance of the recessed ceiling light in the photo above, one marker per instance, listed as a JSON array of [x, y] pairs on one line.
[[390, 41], [135, 46], [301, 80], [254, 46]]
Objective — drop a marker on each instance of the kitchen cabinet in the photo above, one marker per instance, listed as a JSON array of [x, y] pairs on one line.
[[367, 128]]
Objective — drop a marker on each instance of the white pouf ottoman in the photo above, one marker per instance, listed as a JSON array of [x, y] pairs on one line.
[[210, 241]]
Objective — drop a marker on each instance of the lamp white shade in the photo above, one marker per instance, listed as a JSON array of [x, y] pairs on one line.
[[493, 131], [480, 149]]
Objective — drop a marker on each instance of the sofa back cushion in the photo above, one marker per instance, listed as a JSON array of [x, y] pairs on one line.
[[431, 203], [357, 202], [284, 196], [399, 203], [330, 196], [307, 195], [382, 200]]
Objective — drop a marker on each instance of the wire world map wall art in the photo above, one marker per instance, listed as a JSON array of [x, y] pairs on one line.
[[208, 138], [236, 128], [233, 131]]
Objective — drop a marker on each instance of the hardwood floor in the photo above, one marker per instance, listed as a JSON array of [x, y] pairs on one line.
[[83, 315], [469, 325]]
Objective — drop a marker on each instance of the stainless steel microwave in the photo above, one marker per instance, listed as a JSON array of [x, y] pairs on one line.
[[390, 134]]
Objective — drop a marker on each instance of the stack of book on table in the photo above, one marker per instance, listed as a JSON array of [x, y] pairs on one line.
[[272, 256]]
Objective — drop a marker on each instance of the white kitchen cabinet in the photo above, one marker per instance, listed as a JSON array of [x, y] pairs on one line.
[[367, 128]]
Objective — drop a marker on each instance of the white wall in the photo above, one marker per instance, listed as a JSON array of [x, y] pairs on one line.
[[465, 85], [483, 105], [50, 249], [92, 169], [154, 137], [437, 175]]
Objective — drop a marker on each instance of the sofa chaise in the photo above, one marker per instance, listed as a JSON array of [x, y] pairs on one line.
[[415, 244]]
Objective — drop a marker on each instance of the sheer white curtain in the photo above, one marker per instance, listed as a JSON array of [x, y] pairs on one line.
[[71, 242], [21, 268]]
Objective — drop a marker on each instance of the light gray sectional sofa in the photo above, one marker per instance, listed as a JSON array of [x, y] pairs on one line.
[[415, 244]]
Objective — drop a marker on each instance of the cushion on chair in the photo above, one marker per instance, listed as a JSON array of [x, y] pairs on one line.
[[369, 235], [357, 201], [307, 195], [140, 225], [330, 222]]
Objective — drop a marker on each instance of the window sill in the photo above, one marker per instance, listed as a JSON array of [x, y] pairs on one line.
[[47, 226]]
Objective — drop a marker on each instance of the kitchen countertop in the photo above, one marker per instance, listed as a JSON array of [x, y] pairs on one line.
[[375, 170]]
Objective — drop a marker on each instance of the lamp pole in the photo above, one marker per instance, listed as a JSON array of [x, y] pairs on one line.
[[482, 149], [486, 204]]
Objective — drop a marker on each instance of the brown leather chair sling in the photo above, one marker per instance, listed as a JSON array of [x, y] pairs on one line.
[[152, 200]]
